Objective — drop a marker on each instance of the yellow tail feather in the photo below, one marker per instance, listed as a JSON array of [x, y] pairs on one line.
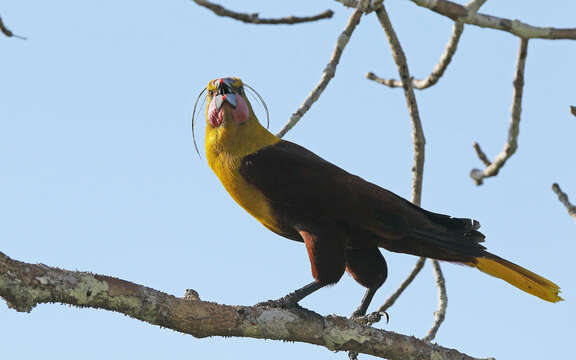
[[523, 279]]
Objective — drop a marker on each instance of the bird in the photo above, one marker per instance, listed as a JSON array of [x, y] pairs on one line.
[[342, 219]]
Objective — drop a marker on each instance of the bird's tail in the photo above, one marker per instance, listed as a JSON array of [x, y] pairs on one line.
[[516, 275]]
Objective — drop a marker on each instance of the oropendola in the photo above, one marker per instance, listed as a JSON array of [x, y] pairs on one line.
[[342, 219]]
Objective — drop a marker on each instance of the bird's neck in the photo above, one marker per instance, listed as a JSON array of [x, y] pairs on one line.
[[229, 143]]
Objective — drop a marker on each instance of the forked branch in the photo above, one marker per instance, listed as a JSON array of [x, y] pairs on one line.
[[445, 59], [419, 143], [493, 168], [458, 12]]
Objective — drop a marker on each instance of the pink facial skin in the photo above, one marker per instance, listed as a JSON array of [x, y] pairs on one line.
[[241, 111], [239, 114], [215, 116]]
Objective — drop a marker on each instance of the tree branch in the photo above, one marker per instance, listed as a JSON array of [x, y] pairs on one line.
[[7, 31], [458, 12], [512, 144], [481, 155], [255, 19], [564, 200], [440, 314], [327, 74], [573, 110], [366, 6], [445, 59], [24, 286], [417, 133], [392, 299]]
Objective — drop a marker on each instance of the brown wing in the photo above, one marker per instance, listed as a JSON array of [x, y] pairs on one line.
[[301, 188]]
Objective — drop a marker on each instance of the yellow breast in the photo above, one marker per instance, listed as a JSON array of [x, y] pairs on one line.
[[225, 148], [250, 198]]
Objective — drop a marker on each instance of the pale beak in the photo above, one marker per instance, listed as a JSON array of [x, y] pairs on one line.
[[219, 100], [225, 93]]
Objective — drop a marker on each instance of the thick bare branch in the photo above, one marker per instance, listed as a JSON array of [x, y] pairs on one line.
[[440, 314], [25, 285], [564, 200], [7, 31], [420, 84], [458, 12], [512, 144], [256, 19], [327, 74]]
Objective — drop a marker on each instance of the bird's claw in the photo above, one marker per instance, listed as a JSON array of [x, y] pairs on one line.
[[283, 303], [370, 318]]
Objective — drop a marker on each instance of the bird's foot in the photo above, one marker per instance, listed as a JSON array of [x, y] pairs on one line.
[[362, 318], [284, 303]]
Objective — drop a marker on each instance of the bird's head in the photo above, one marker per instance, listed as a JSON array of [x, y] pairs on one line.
[[230, 119], [226, 104]]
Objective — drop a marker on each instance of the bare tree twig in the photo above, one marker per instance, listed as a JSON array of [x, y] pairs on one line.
[[445, 59], [481, 155], [7, 31], [255, 18], [24, 286], [419, 148], [418, 139], [440, 314], [573, 110], [458, 12], [327, 74], [438, 70], [417, 133], [564, 200], [512, 144], [392, 299]]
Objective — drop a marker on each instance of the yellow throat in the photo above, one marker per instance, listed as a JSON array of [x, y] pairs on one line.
[[228, 143]]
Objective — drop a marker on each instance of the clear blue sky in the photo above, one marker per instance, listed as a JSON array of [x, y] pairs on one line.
[[98, 170]]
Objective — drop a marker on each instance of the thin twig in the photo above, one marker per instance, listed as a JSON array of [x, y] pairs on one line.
[[419, 145], [440, 314], [458, 12], [255, 18], [420, 84], [327, 74], [573, 110], [417, 133], [25, 285], [564, 200], [439, 69], [481, 155], [392, 299], [7, 31], [512, 144], [417, 138]]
